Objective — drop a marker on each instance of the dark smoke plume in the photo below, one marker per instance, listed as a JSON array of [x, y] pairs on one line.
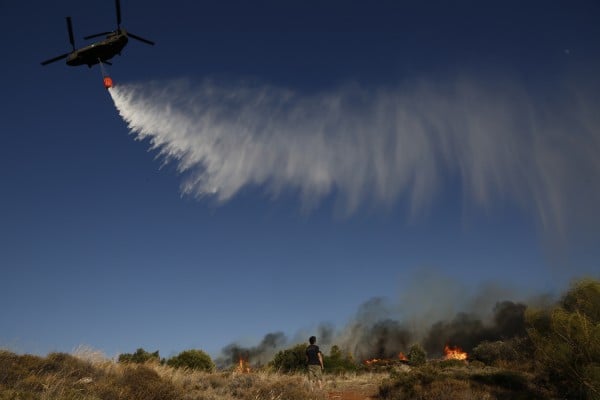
[[375, 334], [467, 330], [257, 355], [382, 329]]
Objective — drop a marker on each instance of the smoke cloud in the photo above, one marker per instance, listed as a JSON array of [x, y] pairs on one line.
[[259, 355], [382, 328], [377, 330], [372, 147]]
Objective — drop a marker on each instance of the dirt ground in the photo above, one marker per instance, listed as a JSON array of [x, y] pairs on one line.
[[349, 395], [357, 388]]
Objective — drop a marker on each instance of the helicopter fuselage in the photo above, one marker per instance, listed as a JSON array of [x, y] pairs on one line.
[[103, 50], [98, 52]]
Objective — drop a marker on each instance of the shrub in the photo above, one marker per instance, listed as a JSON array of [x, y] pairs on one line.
[[567, 341], [66, 365], [491, 352], [140, 356], [337, 362], [416, 355], [290, 360], [143, 383], [192, 359], [506, 379], [452, 363], [14, 368], [406, 385]]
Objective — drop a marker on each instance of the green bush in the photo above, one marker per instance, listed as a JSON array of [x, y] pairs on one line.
[[140, 356], [290, 360], [408, 385], [567, 341], [416, 355], [491, 352], [192, 359], [452, 363], [337, 362], [506, 379]]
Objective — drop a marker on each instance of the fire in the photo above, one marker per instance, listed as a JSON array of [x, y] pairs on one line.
[[372, 361], [385, 361], [243, 366], [454, 353]]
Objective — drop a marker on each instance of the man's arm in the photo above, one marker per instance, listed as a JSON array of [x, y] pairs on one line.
[[321, 360]]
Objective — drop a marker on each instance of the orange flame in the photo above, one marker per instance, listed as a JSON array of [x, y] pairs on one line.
[[243, 366], [372, 361], [454, 353], [385, 361]]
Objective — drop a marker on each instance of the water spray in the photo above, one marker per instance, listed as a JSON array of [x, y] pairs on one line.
[[375, 147]]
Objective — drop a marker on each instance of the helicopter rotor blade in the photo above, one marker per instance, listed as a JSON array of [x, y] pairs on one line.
[[70, 29], [118, 8], [141, 39], [55, 59], [96, 35]]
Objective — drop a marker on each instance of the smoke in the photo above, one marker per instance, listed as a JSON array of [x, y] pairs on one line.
[[467, 330], [259, 355], [372, 147], [382, 328], [376, 331]]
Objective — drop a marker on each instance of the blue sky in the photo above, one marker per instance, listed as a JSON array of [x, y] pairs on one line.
[[101, 246]]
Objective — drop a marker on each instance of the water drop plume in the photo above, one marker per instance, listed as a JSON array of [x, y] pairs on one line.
[[375, 146]]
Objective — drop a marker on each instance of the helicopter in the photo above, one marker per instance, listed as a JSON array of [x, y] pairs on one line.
[[98, 52]]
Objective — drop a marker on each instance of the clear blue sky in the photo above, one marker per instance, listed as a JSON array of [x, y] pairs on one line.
[[99, 247]]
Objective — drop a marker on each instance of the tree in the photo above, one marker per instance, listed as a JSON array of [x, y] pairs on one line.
[[338, 362], [140, 356], [192, 359], [290, 360], [416, 355], [567, 341]]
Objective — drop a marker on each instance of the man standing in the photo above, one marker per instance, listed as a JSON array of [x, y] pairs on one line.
[[314, 358]]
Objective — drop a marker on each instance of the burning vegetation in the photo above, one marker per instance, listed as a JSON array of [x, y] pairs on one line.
[[454, 353], [379, 361], [243, 366], [533, 354]]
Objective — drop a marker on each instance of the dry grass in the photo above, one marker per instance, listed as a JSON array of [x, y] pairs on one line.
[[459, 381], [88, 375]]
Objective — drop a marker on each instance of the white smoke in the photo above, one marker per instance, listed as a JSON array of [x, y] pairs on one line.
[[371, 146]]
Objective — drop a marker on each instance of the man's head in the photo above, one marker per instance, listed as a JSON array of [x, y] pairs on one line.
[[312, 340]]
